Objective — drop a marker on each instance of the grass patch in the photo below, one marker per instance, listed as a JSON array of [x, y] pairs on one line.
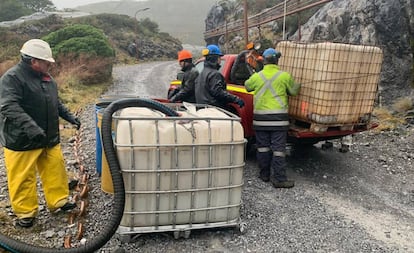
[[390, 119], [76, 96], [80, 79], [386, 120], [403, 105], [4, 66], [80, 85]]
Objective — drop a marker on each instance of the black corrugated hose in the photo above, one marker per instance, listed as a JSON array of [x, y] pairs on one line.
[[111, 226]]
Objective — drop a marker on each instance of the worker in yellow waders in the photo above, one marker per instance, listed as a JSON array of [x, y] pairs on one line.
[[29, 133]]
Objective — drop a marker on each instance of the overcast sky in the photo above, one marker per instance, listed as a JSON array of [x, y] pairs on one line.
[[61, 4]]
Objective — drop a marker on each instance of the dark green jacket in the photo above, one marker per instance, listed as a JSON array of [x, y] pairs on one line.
[[29, 109]]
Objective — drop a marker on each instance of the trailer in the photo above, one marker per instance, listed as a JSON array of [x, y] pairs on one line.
[[339, 86]]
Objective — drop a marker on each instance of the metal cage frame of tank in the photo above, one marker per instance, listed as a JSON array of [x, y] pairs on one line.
[[339, 82], [228, 213]]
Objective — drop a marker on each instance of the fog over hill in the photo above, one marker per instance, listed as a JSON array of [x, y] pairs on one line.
[[183, 19], [62, 4]]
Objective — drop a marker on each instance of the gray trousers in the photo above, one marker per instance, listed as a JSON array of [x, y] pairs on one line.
[[271, 152]]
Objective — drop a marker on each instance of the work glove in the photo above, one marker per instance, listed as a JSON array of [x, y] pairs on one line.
[[75, 121], [240, 102]]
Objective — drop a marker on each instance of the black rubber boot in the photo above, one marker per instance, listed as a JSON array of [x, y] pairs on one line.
[[68, 206], [264, 175], [25, 222], [282, 184]]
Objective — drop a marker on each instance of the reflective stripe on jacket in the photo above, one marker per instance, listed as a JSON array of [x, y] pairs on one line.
[[271, 88]]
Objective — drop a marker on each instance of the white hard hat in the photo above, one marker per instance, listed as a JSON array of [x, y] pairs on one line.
[[38, 49]]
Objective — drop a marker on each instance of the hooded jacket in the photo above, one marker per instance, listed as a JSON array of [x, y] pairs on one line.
[[186, 92], [210, 87], [30, 109]]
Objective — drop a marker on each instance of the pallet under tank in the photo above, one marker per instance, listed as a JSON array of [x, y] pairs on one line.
[[180, 173]]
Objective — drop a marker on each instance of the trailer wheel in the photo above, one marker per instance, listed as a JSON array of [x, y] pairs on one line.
[[241, 228], [127, 238], [187, 234], [176, 234], [327, 145], [344, 148]]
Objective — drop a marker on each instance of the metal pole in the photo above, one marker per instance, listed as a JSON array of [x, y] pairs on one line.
[[284, 21], [246, 25], [135, 15], [299, 32], [225, 38], [143, 9]]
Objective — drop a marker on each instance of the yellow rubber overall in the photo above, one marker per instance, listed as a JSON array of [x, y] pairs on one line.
[[22, 168]]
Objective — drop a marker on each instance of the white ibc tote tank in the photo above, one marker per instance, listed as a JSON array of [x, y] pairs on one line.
[[180, 173]]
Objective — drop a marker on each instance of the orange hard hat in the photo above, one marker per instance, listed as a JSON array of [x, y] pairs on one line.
[[250, 46], [184, 55]]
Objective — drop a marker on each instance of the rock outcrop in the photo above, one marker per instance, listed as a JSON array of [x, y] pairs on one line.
[[215, 18], [384, 23]]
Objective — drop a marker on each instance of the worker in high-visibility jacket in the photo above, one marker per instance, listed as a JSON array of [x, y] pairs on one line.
[[271, 88]]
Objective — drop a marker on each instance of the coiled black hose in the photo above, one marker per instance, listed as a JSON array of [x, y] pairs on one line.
[[111, 226]]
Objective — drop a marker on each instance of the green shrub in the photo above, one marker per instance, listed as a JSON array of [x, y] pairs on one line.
[[79, 38], [86, 45], [12, 9], [80, 48]]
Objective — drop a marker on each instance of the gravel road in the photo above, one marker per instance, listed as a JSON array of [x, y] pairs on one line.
[[360, 201]]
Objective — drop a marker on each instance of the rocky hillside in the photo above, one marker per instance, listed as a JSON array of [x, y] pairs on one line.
[[387, 24], [121, 30]]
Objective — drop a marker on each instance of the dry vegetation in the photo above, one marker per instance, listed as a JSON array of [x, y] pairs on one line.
[[4, 66], [390, 119], [74, 77]]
